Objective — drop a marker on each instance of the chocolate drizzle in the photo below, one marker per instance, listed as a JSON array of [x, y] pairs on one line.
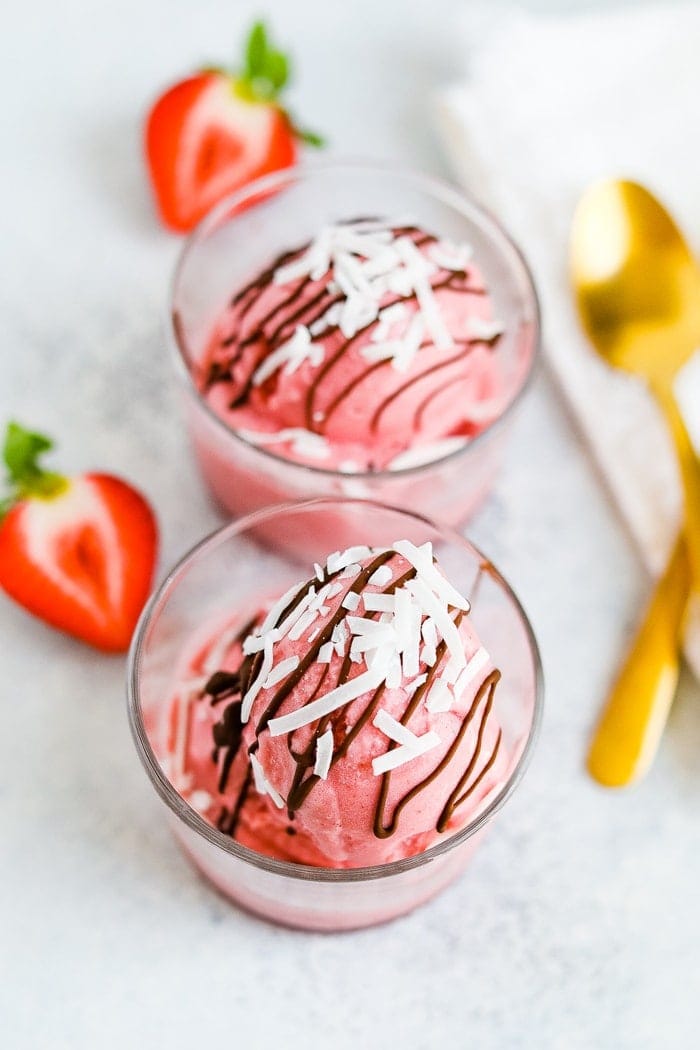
[[265, 334], [382, 830], [229, 731]]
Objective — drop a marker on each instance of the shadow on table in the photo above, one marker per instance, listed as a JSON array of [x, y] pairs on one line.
[[683, 734]]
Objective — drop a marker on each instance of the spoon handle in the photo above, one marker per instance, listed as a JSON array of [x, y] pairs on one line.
[[630, 728], [689, 472]]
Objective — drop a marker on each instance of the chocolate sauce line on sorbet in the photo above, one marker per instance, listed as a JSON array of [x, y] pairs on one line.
[[428, 400], [222, 685], [468, 344], [227, 737], [384, 830], [453, 803], [228, 819], [265, 277]]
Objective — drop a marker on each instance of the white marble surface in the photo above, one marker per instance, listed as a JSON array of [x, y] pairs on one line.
[[577, 926]]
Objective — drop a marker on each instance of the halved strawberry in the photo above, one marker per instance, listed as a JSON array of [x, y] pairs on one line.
[[216, 131], [77, 552]]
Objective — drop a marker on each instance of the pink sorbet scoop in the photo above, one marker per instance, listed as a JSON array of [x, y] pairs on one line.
[[349, 722]]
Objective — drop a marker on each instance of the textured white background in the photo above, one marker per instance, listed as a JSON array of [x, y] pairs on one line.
[[577, 925]]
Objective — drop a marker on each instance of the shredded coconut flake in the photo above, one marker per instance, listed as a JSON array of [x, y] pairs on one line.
[[380, 576], [200, 800], [388, 317], [411, 652], [403, 754], [429, 655], [280, 671], [290, 355], [440, 696], [325, 653], [351, 601], [420, 268], [278, 607], [434, 607], [303, 623], [296, 614], [475, 665], [429, 632], [340, 636], [375, 601], [411, 687], [342, 559], [324, 754], [303, 442], [266, 667], [262, 784], [420, 455], [421, 559], [397, 732], [253, 643], [449, 256], [480, 328], [325, 705]]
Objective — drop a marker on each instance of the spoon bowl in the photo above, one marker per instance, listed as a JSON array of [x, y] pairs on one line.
[[636, 281]]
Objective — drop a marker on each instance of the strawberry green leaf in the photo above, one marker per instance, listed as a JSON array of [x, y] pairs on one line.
[[277, 69], [21, 451], [256, 52]]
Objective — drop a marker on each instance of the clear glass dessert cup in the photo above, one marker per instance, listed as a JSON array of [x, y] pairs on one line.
[[236, 241], [230, 571]]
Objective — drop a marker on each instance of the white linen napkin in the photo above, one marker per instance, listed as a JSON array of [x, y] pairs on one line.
[[548, 104]]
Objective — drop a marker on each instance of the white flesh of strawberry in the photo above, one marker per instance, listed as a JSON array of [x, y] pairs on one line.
[[44, 521], [219, 107]]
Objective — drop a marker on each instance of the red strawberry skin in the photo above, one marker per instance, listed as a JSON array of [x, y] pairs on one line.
[[82, 560], [205, 140]]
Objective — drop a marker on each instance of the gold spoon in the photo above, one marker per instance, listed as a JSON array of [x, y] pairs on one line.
[[637, 288]]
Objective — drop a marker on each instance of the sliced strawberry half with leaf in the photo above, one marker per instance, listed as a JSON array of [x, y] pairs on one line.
[[77, 552], [214, 132]]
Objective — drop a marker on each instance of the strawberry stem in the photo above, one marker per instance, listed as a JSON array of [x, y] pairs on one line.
[[25, 479], [266, 72]]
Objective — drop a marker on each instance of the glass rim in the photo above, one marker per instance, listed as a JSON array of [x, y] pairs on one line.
[[432, 185], [292, 869]]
